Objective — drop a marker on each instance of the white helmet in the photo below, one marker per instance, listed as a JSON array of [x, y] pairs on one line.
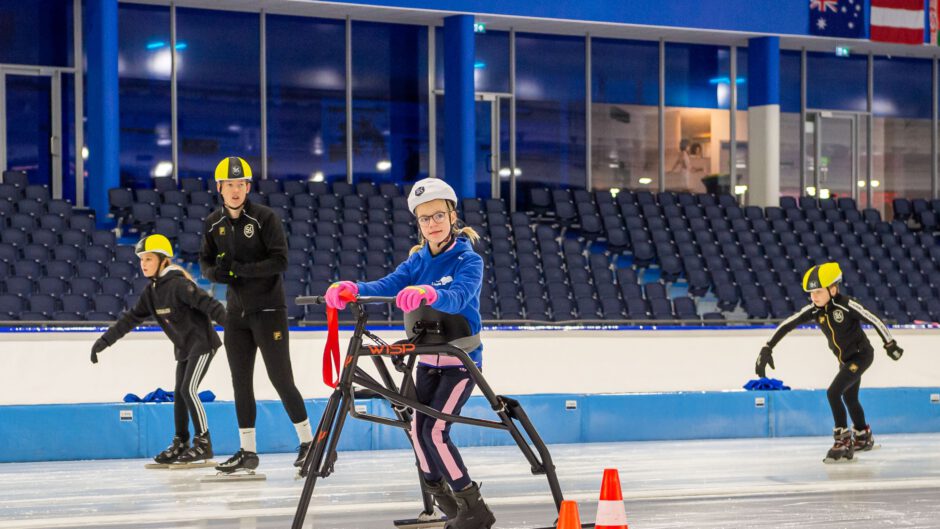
[[430, 189]]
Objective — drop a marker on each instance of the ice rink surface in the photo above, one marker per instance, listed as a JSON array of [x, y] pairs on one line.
[[677, 484]]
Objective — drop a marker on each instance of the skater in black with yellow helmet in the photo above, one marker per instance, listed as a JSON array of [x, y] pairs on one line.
[[840, 318], [185, 313], [244, 247]]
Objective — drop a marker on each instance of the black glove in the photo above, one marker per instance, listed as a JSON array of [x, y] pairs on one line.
[[223, 269], [223, 262], [765, 358], [893, 350], [100, 345]]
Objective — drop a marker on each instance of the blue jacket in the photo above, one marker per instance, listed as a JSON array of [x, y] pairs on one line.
[[456, 274]]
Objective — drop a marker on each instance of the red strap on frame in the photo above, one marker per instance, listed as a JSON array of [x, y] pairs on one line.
[[331, 365]]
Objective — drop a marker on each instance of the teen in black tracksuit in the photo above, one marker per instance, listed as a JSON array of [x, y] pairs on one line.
[[840, 319], [244, 247], [183, 311]]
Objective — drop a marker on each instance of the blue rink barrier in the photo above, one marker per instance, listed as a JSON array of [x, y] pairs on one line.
[[119, 430]]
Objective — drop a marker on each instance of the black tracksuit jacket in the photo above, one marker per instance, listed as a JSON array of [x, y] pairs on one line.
[[841, 322], [258, 247], [182, 310]]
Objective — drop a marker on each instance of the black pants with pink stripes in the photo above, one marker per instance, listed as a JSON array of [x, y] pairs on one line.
[[447, 390]]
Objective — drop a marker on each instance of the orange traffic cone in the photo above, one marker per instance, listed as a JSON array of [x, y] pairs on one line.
[[611, 514], [568, 517]]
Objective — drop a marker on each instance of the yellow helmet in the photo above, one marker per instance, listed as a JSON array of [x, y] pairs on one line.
[[155, 243], [822, 276], [232, 168]]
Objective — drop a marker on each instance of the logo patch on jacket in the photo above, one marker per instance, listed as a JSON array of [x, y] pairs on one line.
[[444, 281], [278, 336], [221, 230], [853, 367], [249, 230], [838, 315], [164, 312], [822, 319]]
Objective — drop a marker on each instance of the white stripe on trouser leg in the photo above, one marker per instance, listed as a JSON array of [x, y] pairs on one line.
[[610, 513], [415, 440], [194, 396], [437, 433]]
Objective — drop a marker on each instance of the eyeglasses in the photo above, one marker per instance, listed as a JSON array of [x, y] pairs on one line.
[[437, 218]]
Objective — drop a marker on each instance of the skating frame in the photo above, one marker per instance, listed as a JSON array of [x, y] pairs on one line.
[[321, 455]]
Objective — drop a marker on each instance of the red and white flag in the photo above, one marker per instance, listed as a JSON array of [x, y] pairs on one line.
[[899, 21]]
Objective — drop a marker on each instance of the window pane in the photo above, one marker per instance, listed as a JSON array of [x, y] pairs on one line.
[[550, 88], [218, 83], [789, 81], [491, 61], [624, 114], [389, 101], [697, 124], [901, 103], [29, 126], [36, 32], [144, 92], [306, 98], [836, 83], [790, 154]]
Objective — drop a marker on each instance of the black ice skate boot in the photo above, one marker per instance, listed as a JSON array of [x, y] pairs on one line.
[[842, 449], [864, 440], [443, 497], [172, 452], [472, 512], [302, 454], [241, 460], [200, 452]]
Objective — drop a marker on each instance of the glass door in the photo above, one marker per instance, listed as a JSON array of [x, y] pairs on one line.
[[31, 127], [833, 143], [491, 143]]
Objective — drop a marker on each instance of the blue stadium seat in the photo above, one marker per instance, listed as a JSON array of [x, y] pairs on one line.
[[18, 285], [190, 185], [11, 307], [123, 270]]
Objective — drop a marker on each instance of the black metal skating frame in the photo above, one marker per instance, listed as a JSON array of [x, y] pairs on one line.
[[321, 456]]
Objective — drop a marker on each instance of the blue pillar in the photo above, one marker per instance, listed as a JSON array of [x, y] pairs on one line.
[[763, 121], [101, 78], [459, 117]]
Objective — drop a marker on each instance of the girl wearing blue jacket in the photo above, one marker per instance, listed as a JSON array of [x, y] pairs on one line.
[[441, 278]]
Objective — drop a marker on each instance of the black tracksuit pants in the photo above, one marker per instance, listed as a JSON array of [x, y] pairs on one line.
[[843, 392], [244, 335], [186, 403]]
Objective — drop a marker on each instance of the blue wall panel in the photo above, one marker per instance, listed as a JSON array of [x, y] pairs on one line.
[[95, 431], [763, 16]]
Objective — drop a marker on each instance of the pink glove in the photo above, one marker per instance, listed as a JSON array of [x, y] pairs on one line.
[[338, 291], [410, 298]]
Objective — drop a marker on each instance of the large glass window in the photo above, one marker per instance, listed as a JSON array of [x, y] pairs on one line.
[[144, 91], [697, 121], [389, 101], [836, 83], [36, 32], [218, 87], [306, 76], [550, 126], [790, 158], [624, 114], [901, 104]]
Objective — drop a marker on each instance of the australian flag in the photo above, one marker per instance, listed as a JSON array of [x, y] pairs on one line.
[[837, 18]]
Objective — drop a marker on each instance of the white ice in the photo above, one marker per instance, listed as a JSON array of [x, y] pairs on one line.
[[695, 484]]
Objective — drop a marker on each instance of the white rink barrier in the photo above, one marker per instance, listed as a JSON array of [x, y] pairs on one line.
[[54, 367]]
